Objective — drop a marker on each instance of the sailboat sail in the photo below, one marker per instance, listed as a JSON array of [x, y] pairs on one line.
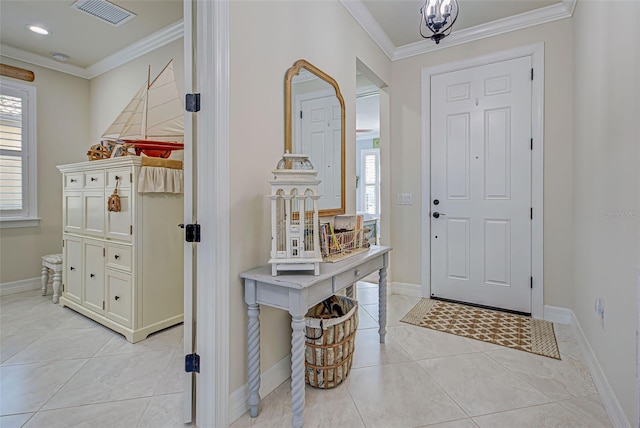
[[154, 117]]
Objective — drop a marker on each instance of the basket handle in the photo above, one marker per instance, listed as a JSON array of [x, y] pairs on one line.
[[316, 338]]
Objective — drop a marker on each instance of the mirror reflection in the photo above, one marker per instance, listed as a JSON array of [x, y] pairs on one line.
[[314, 119]]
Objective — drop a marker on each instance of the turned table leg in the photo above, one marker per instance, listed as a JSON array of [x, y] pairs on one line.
[[44, 279], [382, 302], [254, 359], [297, 370], [57, 283]]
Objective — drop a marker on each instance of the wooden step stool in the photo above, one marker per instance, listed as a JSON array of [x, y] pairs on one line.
[[52, 262]]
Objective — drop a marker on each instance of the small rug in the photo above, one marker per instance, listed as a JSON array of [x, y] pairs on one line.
[[501, 328]]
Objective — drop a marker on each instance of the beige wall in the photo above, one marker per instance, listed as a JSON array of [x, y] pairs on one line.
[[266, 39], [406, 152], [63, 137], [607, 182]]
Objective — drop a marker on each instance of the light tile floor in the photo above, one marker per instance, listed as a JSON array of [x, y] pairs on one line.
[[60, 369], [421, 378]]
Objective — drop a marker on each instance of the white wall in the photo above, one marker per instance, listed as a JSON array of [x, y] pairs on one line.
[[266, 39], [558, 152], [63, 137], [607, 182]]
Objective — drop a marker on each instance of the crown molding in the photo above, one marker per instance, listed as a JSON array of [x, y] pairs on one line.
[[154, 41], [150, 43], [368, 23], [517, 22], [42, 61]]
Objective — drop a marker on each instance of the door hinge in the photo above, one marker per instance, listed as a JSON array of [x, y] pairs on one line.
[[192, 103], [532, 282], [192, 363], [531, 213], [103, 305], [192, 232], [300, 114], [532, 74], [532, 144], [130, 177], [63, 243], [131, 230], [103, 252]]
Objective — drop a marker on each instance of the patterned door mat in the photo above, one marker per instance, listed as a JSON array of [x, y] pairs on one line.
[[513, 331]]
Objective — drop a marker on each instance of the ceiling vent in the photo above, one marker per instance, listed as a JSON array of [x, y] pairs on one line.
[[107, 12]]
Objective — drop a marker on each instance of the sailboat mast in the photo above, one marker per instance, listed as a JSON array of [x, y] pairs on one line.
[[146, 105]]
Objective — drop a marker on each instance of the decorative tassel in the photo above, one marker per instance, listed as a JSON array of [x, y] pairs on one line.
[[113, 204]]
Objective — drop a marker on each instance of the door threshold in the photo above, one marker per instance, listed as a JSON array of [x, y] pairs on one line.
[[476, 305]]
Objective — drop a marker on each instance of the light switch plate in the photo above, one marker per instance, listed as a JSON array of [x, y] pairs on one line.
[[405, 199]]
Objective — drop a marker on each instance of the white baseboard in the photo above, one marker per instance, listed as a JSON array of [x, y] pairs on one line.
[[608, 397], [406, 289], [20, 286], [269, 380], [558, 315]]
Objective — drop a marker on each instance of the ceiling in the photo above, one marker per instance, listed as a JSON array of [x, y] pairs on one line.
[[88, 41]]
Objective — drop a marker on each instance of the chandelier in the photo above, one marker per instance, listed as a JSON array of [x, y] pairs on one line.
[[438, 17]]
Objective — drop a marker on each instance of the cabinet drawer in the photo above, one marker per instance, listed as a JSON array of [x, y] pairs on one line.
[[119, 297], [94, 179], [357, 273], [73, 181], [119, 257], [122, 176]]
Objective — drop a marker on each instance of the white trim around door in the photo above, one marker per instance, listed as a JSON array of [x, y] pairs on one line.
[[212, 277], [536, 52]]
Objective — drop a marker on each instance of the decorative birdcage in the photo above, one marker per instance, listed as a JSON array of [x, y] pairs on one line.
[[294, 198]]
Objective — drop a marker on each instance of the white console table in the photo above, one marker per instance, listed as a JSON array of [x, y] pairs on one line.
[[297, 293]]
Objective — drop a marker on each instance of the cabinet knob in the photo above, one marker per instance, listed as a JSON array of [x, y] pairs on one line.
[[116, 257], [73, 180], [357, 272], [117, 177], [91, 275], [93, 179], [72, 268], [117, 297]]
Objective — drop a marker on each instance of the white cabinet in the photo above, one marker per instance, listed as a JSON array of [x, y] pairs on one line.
[[122, 269]]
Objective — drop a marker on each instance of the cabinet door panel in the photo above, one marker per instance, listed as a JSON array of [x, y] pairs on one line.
[[118, 303], [119, 257], [95, 206], [93, 276], [119, 223], [72, 211], [72, 274]]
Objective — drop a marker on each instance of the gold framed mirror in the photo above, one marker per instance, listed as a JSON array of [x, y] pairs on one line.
[[314, 125]]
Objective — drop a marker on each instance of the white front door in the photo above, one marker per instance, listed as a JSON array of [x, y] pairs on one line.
[[481, 185], [321, 139]]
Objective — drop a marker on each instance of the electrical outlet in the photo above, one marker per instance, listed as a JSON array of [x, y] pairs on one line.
[[405, 199], [599, 310]]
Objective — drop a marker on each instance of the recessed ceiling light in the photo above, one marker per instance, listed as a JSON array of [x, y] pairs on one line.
[[38, 30], [60, 57]]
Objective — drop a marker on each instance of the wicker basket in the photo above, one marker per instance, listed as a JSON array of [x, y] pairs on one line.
[[330, 343]]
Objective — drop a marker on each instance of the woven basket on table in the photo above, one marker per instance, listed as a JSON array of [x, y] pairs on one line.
[[330, 344]]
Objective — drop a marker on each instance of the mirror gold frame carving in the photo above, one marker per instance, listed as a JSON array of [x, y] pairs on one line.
[[288, 139]]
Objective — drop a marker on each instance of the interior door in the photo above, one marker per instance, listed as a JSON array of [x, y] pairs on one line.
[[481, 185], [321, 140], [93, 275]]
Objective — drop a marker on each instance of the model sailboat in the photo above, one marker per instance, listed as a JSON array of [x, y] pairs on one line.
[[153, 121]]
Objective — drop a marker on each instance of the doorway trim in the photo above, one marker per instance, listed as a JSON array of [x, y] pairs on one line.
[[212, 283], [536, 52]]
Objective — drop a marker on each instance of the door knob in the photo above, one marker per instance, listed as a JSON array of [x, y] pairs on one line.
[[436, 202], [72, 268], [117, 297], [437, 214], [91, 275], [116, 257]]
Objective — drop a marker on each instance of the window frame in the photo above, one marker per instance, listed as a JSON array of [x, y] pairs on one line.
[[363, 181], [28, 216]]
